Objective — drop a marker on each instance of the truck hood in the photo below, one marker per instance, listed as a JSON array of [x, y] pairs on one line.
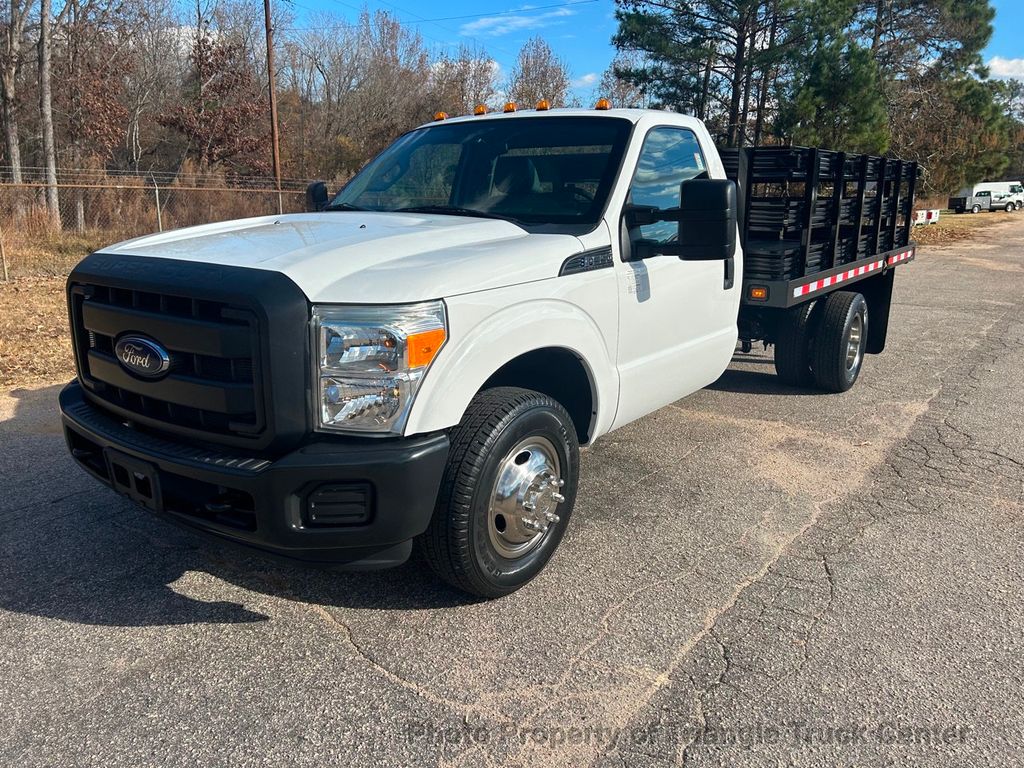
[[357, 257]]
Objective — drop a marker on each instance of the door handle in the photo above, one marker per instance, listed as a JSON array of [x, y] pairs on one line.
[[730, 273]]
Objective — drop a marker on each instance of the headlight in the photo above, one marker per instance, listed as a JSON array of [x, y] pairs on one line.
[[370, 361]]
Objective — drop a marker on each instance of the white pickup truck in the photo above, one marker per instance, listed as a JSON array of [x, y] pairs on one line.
[[420, 359]]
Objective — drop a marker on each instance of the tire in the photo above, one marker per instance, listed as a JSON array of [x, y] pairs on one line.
[[470, 543], [793, 344], [1009, 207], [976, 209], [1020, 204], [836, 357]]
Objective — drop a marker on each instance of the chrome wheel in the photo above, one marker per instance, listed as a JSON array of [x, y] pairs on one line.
[[853, 343], [524, 498]]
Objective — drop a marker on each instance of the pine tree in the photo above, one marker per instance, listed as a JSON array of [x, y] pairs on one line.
[[839, 104]]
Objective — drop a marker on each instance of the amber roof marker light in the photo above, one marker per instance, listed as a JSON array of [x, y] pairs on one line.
[[603, 103], [440, 115], [480, 109], [543, 105], [510, 106]]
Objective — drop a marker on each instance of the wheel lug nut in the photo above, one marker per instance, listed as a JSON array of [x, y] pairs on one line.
[[552, 518], [559, 483], [529, 506], [559, 498]]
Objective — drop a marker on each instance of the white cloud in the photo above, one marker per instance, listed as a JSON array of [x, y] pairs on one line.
[[494, 26], [1006, 69], [586, 80]]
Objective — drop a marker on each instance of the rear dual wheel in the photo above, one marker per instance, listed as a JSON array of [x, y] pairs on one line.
[[840, 341], [793, 345], [823, 342]]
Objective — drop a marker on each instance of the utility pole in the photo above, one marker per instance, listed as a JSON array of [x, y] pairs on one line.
[[272, 81]]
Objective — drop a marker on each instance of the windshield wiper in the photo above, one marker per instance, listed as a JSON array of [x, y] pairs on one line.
[[454, 210], [344, 207]]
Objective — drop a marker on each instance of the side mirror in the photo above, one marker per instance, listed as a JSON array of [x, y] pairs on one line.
[[316, 196], [707, 220]]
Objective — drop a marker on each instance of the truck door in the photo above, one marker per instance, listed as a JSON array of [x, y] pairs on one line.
[[677, 319]]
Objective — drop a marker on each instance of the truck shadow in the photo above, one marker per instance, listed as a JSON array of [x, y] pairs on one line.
[[756, 382], [75, 551]]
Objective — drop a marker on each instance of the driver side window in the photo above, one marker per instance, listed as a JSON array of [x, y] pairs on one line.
[[668, 157]]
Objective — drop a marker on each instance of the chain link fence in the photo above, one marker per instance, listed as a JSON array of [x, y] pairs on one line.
[[97, 209]]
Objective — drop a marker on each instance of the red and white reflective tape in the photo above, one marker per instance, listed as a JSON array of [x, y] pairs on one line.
[[825, 282], [896, 258]]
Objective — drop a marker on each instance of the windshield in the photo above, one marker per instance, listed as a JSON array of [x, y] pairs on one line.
[[555, 171]]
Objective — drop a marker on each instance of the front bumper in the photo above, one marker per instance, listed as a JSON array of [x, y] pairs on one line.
[[354, 503]]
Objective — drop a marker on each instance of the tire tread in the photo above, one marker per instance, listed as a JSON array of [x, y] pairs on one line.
[[829, 363], [792, 354], [446, 543]]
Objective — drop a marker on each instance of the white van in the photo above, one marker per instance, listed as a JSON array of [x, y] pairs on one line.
[[989, 196]]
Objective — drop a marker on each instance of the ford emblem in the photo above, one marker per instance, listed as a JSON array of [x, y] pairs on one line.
[[142, 356]]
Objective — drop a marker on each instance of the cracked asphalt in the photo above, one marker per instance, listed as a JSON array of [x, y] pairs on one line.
[[755, 576]]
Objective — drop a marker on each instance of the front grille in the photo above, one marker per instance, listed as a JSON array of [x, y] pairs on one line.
[[212, 385]]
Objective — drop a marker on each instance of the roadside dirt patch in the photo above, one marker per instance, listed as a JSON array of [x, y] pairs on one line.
[[955, 227], [35, 346]]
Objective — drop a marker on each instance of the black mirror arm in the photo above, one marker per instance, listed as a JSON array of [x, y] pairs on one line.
[[647, 250], [642, 215]]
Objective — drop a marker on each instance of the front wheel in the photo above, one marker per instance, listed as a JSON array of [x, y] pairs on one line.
[[1009, 207], [1019, 204], [507, 492]]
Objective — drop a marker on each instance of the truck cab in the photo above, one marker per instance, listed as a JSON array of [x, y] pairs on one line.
[[420, 357]]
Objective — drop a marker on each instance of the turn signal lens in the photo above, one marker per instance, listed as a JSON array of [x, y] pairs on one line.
[[424, 346], [543, 104], [758, 292], [440, 115], [480, 109], [510, 106], [603, 104]]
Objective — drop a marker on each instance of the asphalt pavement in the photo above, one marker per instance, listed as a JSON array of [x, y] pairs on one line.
[[755, 576]]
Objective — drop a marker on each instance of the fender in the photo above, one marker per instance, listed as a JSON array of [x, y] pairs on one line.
[[481, 341]]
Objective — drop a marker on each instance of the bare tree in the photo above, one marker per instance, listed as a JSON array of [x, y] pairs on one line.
[[538, 74], [618, 90], [10, 66], [460, 82], [158, 64], [46, 112]]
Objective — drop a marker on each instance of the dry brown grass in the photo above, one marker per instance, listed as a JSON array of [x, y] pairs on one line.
[[954, 227], [35, 346], [38, 253]]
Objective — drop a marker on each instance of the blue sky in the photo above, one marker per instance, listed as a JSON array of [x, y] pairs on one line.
[[580, 30]]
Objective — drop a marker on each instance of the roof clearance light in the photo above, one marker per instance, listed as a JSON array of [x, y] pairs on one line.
[[480, 109], [510, 107], [543, 104], [440, 115], [603, 104]]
